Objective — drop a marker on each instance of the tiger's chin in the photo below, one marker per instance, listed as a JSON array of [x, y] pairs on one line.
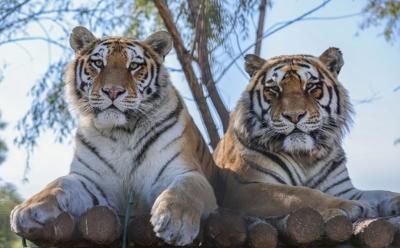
[[110, 118], [298, 143]]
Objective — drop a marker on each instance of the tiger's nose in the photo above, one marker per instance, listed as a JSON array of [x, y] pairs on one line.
[[113, 92], [294, 117]]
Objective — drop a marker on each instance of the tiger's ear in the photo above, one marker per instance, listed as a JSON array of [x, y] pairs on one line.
[[80, 37], [253, 63], [332, 58], [160, 42]]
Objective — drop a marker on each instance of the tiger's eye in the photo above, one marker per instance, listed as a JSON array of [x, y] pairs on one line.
[[316, 92], [98, 63], [133, 66]]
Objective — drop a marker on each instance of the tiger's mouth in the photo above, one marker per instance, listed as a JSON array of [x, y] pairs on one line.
[[112, 107], [296, 130], [298, 140], [110, 117]]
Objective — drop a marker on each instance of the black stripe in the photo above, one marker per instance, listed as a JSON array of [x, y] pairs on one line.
[[299, 178], [303, 65], [106, 43], [157, 74], [132, 47], [360, 194], [337, 183], [80, 64], [249, 125], [279, 67], [87, 166], [338, 110], [94, 198], [356, 196], [165, 166], [340, 172], [344, 192], [333, 166], [171, 115], [150, 141], [263, 111], [327, 107], [278, 161], [103, 194], [268, 172], [173, 141], [174, 114], [149, 76], [95, 152], [272, 157]]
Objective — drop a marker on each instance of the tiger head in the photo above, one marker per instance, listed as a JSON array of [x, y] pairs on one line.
[[116, 79], [294, 103]]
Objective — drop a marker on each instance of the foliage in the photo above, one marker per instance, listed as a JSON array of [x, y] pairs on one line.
[[223, 21], [54, 20], [137, 18], [224, 29], [8, 199], [383, 13]]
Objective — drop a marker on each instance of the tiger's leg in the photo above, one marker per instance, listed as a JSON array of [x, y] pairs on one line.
[[177, 211], [266, 200], [73, 194], [384, 203]]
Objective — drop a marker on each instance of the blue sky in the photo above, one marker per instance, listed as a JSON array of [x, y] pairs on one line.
[[371, 70]]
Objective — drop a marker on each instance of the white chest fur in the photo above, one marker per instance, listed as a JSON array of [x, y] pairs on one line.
[[120, 161]]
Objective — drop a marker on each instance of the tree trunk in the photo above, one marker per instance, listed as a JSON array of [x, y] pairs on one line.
[[197, 9], [186, 63], [260, 27]]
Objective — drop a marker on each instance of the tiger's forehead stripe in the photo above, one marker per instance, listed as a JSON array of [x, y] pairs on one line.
[[304, 61], [126, 43]]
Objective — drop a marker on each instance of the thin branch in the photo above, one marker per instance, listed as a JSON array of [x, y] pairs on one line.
[[246, 76], [197, 30], [40, 13], [18, 6], [53, 42], [375, 96], [226, 69], [171, 69], [320, 18], [199, 10], [330, 18]]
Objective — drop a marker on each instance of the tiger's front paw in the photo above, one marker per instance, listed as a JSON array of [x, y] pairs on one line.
[[29, 218], [356, 209], [389, 207], [175, 220], [65, 195]]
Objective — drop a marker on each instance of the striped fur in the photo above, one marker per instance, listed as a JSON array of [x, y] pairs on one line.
[[142, 141], [287, 130]]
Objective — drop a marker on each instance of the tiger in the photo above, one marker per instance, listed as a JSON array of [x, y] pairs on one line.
[[135, 136], [286, 134]]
